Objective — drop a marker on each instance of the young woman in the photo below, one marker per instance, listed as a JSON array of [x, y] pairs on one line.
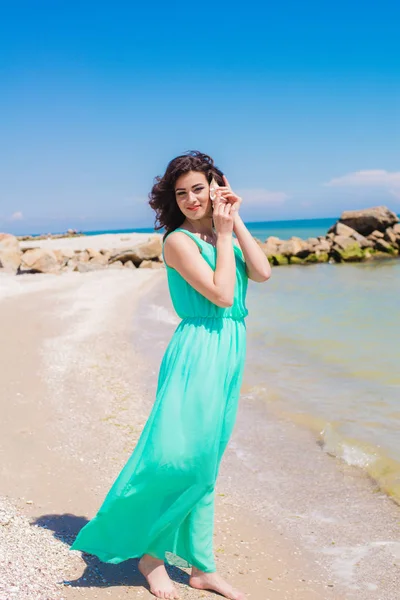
[[161, 506]]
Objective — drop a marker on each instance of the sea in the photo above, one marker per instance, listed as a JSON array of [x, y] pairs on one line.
[[324, 352], [303, 228]]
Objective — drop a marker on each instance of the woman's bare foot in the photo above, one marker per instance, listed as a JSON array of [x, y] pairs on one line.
[[157, 577], [212, 581]]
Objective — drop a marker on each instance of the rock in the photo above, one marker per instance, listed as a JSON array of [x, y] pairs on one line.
[[396, 228], [273, 240], [10, 253], [295, 260], [271, 246], [82, 255], [291, 247], [384, 246], [376, 235], [92, 253], [362, 240], [316, 257], [323, 246], [345, 231], [70, 266], [40, 260], [391, 237], [367, 220], [129, 265], [322, 257], [279, 259], [150, 264], [72, 231], [116, 265], [145, 251], [341, 229], [64, 255], [86, 267], [99, 259], [346, 249]]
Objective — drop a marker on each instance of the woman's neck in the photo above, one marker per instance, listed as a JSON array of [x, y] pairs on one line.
[[204, 228]]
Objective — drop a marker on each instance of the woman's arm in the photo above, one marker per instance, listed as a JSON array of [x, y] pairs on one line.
[[257, 264], [182, 254]]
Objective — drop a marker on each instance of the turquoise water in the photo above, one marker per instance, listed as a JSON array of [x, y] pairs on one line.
[[324, 344], [304, 228]]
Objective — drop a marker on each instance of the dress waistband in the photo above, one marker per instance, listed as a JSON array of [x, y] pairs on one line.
[[218, 318]]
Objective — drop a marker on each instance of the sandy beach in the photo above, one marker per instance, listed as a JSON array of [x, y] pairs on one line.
[[79, 360], [105, 240]]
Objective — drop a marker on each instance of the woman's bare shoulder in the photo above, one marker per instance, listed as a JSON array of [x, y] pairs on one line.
[[178, 247]]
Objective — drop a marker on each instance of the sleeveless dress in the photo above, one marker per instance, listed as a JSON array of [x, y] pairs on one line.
[[162, 502]]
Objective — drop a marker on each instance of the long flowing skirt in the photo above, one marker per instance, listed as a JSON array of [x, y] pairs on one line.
[[162, 502]]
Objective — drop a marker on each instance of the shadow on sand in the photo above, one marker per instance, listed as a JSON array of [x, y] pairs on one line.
[[97, 573]]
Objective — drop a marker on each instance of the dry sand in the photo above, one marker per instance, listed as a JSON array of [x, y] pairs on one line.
[[75, 394]]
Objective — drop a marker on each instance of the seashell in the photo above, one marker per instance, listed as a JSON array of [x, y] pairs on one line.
[[213, 189]]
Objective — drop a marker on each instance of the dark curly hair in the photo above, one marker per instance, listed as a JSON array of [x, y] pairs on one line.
[[162, 195]]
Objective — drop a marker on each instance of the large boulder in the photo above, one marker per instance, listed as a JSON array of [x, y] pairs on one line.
[[40, 260], [367, 220], [10, 253]]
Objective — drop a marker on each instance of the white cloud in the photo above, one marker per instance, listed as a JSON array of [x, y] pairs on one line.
[[260, 197], [17, 216], [379, 178]]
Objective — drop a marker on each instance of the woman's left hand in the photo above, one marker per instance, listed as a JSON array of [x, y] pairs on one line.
[[226, 194]]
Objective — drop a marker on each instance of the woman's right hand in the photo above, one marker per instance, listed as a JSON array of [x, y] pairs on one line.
[[223, 217]]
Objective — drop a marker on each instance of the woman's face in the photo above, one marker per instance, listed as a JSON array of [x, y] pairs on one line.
[[192, 193]]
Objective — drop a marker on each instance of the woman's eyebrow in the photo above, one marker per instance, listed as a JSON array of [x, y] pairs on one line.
[[193, 186]]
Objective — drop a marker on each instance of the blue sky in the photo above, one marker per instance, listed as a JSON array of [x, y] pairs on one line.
[[298, 103]]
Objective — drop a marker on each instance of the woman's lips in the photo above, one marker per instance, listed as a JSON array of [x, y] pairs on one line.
[[194, 208]]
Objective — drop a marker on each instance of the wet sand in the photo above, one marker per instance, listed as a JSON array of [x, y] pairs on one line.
[[77, 385]]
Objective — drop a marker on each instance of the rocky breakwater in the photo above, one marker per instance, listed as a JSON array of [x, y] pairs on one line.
[[14, 259], [50, 236], [357, 236]]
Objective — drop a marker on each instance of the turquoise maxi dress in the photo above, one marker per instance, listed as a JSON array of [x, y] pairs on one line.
[[162, 502]]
